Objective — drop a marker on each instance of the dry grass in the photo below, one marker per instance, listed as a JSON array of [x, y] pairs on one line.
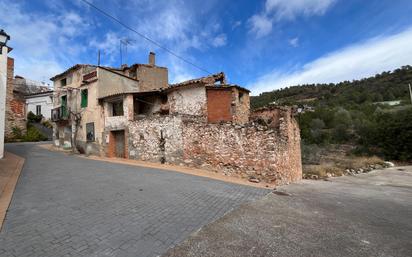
[[322, 170], [336, 166], [351, 162]]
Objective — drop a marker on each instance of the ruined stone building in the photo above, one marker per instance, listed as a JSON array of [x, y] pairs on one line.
[[21, 95], [132, 112]]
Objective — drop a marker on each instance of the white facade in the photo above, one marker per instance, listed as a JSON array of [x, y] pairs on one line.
[[40, 104], [3, 83]]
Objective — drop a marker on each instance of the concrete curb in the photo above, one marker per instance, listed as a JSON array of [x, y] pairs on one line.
[[16, 164]]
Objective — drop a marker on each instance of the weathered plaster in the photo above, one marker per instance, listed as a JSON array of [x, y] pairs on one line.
[[190, 101]]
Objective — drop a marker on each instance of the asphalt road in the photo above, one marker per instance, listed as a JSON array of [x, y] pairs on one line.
[[70, 206], [364, 215]]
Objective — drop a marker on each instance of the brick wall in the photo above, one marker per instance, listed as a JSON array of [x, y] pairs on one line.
[[15, 105], [219, 104]]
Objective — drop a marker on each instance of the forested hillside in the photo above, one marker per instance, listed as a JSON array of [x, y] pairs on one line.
[[386, 86], [352, 113]]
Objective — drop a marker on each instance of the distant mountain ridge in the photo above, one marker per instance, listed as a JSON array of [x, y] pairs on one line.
[[386, 86]]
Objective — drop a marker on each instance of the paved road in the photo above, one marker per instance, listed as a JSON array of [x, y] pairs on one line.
[[366, 215], [70, 206]]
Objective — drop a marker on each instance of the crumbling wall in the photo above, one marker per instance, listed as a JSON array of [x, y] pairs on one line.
[[251, 150], [190, 100], [241, 103], [248, 151], [156, 138]]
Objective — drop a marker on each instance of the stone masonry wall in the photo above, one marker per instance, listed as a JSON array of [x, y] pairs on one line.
[[248, 151], [241, 103], [251, 150], [156, 139]]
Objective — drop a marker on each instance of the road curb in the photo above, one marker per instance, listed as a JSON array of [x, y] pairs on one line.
[[16, 164]]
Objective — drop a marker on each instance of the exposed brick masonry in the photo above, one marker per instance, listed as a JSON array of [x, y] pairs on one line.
[[15, 104]]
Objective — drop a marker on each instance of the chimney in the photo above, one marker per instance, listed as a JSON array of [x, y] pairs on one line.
[[152, 57]]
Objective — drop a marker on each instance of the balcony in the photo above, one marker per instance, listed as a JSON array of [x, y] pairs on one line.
[[59, 114]]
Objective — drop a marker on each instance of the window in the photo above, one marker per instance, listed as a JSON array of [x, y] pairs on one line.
[[64, 112], [240, 96], [38, 109], [90, 131], [84, 95], [63, 82], [117, 108]]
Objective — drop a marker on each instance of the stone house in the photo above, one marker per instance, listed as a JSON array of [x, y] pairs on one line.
[[19, 91], [132, 112]]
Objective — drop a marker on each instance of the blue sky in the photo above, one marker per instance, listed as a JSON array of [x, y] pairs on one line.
[[262, 45]]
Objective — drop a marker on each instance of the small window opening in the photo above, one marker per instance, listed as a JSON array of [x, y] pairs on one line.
[[163, 99], [117, 108], [240, 96], [63, 82], [38, 109], [143, 108]]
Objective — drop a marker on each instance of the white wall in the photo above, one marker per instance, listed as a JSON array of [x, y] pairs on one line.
[[3, 81], [44, 101]]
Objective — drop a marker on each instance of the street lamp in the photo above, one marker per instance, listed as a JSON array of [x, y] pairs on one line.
[[3, 39]]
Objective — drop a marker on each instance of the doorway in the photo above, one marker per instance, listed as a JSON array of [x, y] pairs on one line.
[[117, 144]]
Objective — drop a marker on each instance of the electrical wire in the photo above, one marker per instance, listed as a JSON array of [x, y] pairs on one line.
[[145, 37]]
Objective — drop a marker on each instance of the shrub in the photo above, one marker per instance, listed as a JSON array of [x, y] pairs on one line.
[[47, 124], [17, 133], [34, 135], [33, 118]]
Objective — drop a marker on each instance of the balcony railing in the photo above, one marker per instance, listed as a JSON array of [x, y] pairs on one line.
[[60, 113]]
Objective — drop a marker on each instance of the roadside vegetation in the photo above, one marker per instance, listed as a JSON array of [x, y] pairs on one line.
[[33, 134], [351, 125]]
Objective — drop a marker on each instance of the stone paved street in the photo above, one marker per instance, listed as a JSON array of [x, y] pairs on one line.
[[70, 206]]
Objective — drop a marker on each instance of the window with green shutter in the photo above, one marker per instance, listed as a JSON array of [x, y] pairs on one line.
[[64, 111], [84, 94]]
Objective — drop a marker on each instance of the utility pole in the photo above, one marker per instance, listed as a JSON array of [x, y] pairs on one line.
[[410, 92], [4, 50]]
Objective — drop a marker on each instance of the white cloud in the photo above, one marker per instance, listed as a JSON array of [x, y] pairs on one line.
[[294, 42], [353, 62], [219, 40], [260, 25], [60, 35], [288, 10], [278, 10], [41, 42], [236, 24]]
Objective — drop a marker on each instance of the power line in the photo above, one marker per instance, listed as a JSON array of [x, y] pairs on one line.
[[145, 37]]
